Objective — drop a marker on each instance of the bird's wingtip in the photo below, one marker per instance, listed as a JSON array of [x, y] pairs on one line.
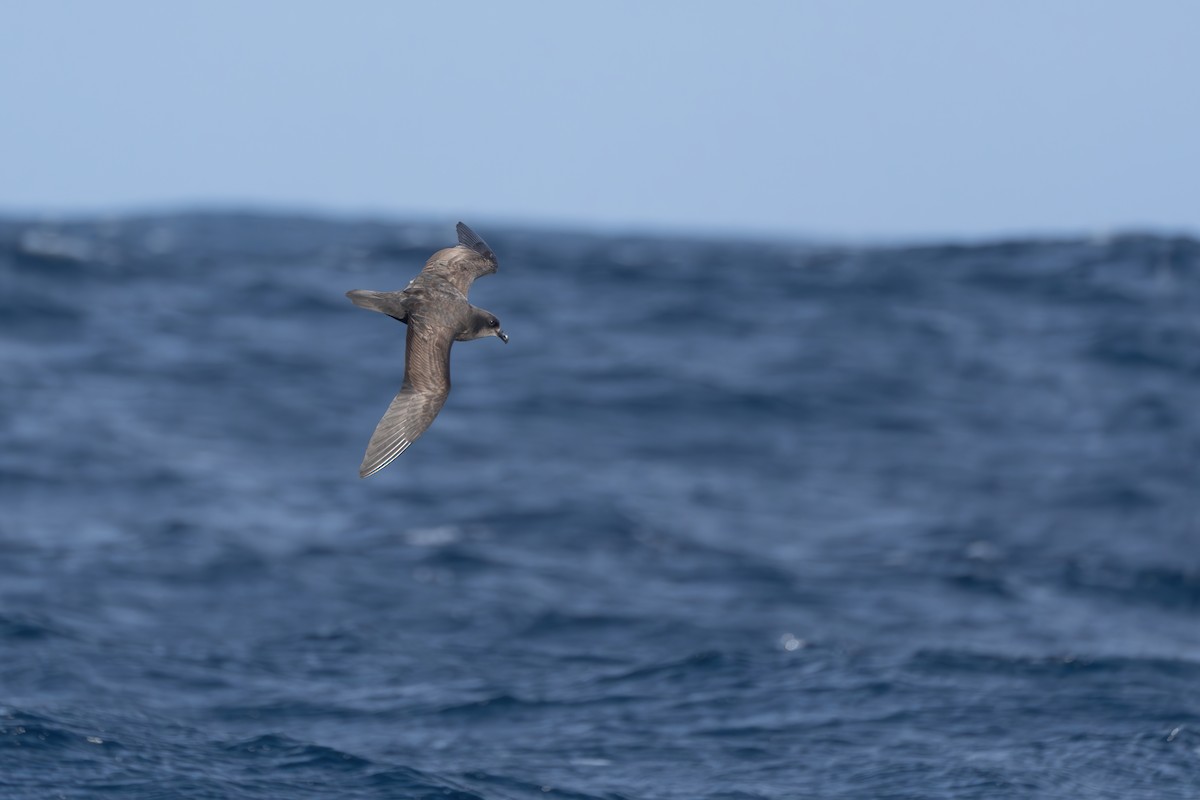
[[472, 240]]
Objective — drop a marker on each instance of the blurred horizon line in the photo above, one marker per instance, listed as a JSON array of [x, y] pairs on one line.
[[573, 226]]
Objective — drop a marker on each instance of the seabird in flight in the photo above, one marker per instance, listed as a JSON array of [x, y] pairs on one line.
[[435, 308]]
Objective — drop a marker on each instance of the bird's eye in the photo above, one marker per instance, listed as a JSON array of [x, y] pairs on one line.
[[492, 322]]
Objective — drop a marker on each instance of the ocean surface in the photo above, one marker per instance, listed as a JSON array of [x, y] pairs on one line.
[[726, 519]]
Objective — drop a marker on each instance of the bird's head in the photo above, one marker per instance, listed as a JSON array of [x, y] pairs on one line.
[[483, 323]]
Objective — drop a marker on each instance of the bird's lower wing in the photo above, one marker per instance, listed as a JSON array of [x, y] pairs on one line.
[[407, 417]]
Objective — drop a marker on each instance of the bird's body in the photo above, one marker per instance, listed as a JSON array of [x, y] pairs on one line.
[[434, 305]]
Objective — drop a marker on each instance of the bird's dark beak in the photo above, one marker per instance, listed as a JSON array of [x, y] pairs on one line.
[[503, 336]]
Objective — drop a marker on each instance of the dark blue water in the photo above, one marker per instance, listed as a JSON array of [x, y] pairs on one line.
[[724, 520]]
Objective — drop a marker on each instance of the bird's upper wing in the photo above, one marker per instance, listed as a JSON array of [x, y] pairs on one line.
[[426, 386], [461, 265]]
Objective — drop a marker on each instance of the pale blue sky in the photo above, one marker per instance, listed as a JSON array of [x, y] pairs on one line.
[[840, 118]]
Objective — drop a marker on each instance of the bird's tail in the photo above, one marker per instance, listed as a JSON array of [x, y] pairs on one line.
[[365, 298], [394, 304]]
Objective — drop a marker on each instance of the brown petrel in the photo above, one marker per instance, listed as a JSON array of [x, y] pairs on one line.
[[435, 308]]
